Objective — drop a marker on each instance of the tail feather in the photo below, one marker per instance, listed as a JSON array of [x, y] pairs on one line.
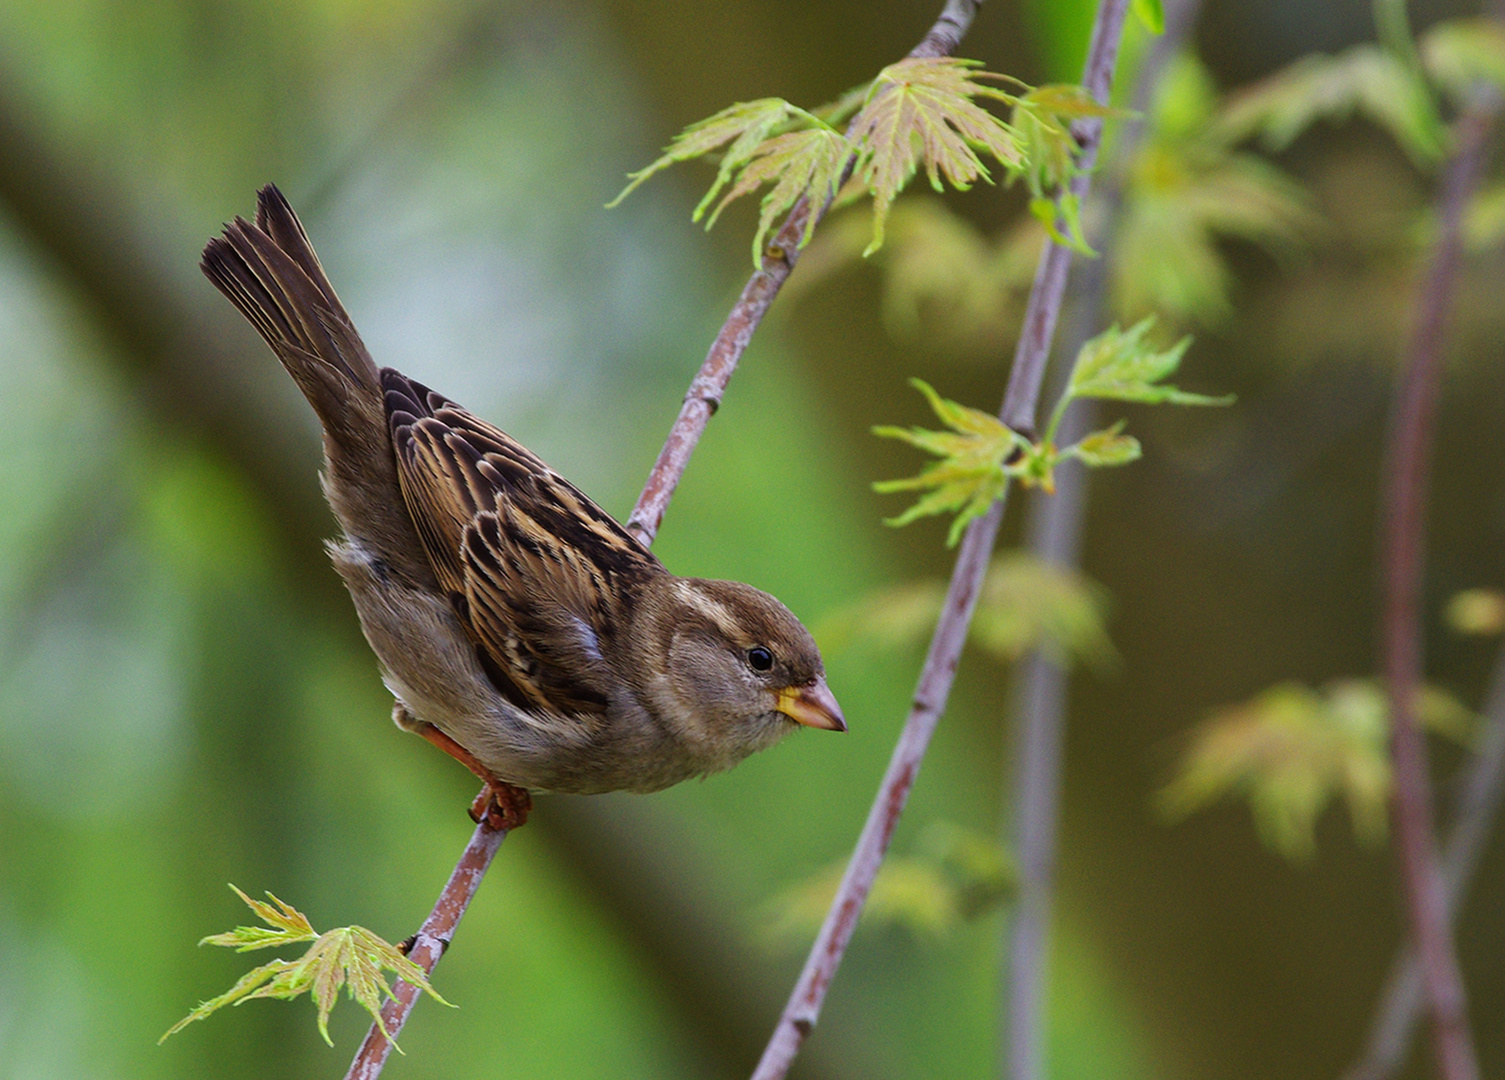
[[270, 273]]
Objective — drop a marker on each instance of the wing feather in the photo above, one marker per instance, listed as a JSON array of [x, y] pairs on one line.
[[538, 573]]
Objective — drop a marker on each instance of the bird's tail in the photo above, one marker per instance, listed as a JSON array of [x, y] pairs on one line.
[[269, 271]]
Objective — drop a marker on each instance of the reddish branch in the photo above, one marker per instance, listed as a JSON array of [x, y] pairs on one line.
[[1408, 464], [428, 945], [700, 404], [1476, 807], [1020, 403]]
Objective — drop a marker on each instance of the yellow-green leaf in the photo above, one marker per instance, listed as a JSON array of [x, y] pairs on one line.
[[1106, 447], [972, 473], [1121, 365], [799, 164], [1477, 611], [922, 111], [350, 956], [1152, 14], [745, 124], [1462, 52]]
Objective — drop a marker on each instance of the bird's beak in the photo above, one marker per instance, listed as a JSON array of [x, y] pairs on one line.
[[812, 705]]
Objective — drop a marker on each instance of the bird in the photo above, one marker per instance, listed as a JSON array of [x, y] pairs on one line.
[[518, 626]]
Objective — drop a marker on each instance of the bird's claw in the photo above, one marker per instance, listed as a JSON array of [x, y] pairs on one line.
[[501, 806]]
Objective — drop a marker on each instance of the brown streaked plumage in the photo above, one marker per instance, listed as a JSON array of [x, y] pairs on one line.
[[519, 627]]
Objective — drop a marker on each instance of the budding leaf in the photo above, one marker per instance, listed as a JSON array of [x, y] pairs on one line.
[[1106, 447], [972, 472], [351, 956], [1121, 365]]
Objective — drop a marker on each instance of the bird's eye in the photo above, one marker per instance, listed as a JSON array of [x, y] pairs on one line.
[[759, 658]]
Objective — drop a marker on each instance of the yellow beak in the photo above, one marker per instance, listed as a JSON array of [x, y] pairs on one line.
[[812, 705]]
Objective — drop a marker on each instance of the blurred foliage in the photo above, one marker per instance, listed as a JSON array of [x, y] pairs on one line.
[[1025, 604], [1186, 190], [953, 876], [351, 956], [1377, 82], [1479, 612], [1291, 750]]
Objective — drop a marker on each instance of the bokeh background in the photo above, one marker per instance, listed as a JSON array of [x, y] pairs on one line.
[[185, 698]]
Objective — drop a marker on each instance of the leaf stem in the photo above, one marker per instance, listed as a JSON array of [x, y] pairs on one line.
[[803, 1009], [1408, 462]]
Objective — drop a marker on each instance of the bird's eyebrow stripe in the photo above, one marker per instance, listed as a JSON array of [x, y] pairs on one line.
[[715, 611]]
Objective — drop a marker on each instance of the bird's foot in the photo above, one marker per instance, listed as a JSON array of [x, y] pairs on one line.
[[501, 806]]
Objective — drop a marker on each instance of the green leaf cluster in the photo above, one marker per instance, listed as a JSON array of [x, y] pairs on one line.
[[1291, 750], [1187, 189], [956, 875], [980, 455], [1025, 604], [351, 956], [918, 113]]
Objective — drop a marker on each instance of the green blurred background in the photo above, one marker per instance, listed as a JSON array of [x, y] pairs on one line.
[[185, 698]]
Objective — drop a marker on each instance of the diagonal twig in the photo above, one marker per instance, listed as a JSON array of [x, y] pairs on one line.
[[1018, 412], [700, 404]]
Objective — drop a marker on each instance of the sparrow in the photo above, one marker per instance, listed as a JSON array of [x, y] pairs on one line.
[[518, 626]]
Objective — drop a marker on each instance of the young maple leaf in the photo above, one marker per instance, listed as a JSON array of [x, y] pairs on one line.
[[799, 164], [1121, 365], [350, 956], [746, 125], [973, 471], [921, 110]]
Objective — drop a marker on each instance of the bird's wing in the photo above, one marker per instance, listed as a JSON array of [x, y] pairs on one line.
[[539, 575]]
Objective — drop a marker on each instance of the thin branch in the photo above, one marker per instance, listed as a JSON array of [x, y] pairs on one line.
[[1474, 814], [704, 395], [1055, 535], [1408, 463], [701, 401], [1020, 403], [428, 945]]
